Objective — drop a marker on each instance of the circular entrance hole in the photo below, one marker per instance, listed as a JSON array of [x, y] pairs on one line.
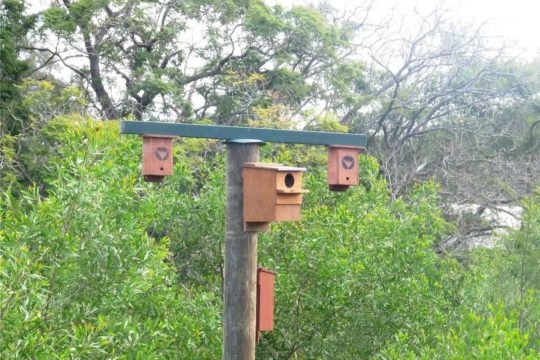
[[161, 168], [347, 178], [289, 180]]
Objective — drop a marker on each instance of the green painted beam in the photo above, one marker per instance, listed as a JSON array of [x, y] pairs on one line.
[[237, 133]]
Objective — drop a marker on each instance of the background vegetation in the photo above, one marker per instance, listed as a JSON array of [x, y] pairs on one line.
[[95, 263]]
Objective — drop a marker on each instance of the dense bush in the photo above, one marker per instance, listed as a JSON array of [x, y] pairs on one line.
[[490, 335], [499, 317], [95, 263], [79, 276]]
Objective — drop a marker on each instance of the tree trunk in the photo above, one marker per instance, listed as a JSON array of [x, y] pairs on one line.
[[96, 82]]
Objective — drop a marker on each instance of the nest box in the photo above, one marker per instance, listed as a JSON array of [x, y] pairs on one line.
[[342, 167], [272, 192], [157, 157], [265, 300]]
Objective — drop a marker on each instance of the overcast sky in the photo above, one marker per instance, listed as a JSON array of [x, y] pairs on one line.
[[515, 21]]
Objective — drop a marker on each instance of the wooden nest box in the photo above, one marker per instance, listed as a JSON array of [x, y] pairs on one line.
[[342, 167], [157, 157], [272, 192]]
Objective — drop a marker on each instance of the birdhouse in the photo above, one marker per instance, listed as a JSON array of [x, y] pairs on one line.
[[265, 300], [272, 192], [342, 167], [157, 157]]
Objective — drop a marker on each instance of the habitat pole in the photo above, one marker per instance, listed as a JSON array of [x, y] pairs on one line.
[[240, 269]]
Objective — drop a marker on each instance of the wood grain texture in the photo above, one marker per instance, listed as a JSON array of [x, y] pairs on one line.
[[240, 270], [289, 199], [259, 194], [265, 299], [288, 213]]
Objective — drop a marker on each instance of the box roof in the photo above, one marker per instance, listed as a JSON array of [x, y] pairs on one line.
[[274, 166]]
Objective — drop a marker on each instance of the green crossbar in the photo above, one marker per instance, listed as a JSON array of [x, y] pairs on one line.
[[241, 133]]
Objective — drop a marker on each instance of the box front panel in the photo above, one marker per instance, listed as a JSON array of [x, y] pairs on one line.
[[288, 213], [289, 199], [289, 182], [157, 157], [348, 166]]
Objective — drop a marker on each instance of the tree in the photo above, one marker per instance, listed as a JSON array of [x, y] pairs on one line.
[[14, 25], [420, 87], [204, 58]]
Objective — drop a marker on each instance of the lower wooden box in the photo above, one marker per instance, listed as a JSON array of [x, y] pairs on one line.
[[265, 299]]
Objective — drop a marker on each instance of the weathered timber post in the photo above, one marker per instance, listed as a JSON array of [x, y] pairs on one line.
[[240, 273]]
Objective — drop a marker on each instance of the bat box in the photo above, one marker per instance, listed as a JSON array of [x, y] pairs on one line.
[[342, 167], [272, 192], [265, 300], [157, 157]]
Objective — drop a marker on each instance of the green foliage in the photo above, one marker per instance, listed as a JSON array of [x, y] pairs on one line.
[[79, 275], [94, 263], [349, 86], [24, 156], [493, 335], [46, 100], [262, 21], [147, 44], [58, 19], [499, 314], [326, 122], [14, 25], [513, 279], [313, 33]]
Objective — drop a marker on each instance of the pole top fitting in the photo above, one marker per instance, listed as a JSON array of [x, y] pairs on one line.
[[244, 141]]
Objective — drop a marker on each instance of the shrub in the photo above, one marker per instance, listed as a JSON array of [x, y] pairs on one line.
[[79, 275]]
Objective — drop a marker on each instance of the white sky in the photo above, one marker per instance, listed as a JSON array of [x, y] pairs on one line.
[[517, 22]]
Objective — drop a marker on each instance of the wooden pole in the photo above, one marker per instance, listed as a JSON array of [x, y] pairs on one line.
[[240, 270]]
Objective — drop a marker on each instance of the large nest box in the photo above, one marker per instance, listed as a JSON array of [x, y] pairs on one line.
[[272, 192]]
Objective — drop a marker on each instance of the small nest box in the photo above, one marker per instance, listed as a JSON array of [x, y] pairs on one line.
[[157, 157], [342, 167]]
